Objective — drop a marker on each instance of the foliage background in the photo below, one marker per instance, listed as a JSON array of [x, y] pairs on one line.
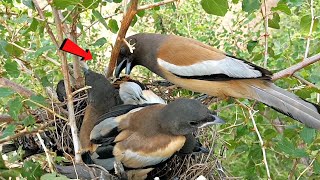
[[29, 57]]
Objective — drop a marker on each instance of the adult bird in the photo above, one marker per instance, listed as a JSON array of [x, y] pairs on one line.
[[145, 135], [198, 67], [102, 96]]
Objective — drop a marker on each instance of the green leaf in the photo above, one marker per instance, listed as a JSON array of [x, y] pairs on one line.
[[32, 170], [100, 18], [141, 13], [44, 49], [13, 50], [15, 106], [28, 3], [2, 164], [274, 22], [283, 7], [100, 42], [251, 45], [113, 25], [305, 24], [308, 135], [53, 176], [269, 134], [316, 167], [45, 82], [11, 68], [117, 1], [287, 147], [9, 131], [5, 92], [91, 4], [29, 121], [38, 99], [33, 26], [134, 20], [250, 6], [62, 4], [215, 7], [3, 51]]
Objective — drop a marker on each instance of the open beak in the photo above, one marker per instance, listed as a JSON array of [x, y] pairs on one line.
[[216, 120], [124, 64]]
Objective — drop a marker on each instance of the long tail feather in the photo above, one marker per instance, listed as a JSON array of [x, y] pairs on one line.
[[289, 104]]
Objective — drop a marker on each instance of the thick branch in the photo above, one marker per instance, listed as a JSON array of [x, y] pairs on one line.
[[126, 21], [291, 70], [4, 82], [66, 77], [54, 40], [149, 6]]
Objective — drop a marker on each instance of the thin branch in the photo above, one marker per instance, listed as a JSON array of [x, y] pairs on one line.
[[22, 48], [305, 170], [310, 31], [305, 81], [261, 142], [4, 82], [49, 31], [149, 6], [81, 89], [266, 35], [71, 115], [46, 152], [25, 131], [291, 70], [126, 21], [88, 27]]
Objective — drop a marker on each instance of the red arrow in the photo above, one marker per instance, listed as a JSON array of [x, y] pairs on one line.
[[73, 48]]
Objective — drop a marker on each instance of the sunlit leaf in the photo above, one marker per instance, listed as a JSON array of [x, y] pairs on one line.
[[113, 25], [215, 7], [251, 45], [62, 4], [32, 170]]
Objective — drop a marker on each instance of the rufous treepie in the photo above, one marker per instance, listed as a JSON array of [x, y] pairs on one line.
[[201, 68]]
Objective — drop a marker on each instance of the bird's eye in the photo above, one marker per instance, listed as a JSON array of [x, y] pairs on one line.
[[193, 123]]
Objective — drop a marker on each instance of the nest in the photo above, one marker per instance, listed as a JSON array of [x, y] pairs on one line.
[[58, 139]]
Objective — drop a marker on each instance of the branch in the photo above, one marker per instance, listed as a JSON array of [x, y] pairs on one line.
[[291, 70], [49, 31], [310, 31], [46, 152], [4, 82], [266, 34], [149, 6], [263, 148], [66, 77], [306, 168], [127, 19], [25, 131]]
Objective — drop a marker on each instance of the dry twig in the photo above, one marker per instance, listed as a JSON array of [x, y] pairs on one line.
[[291, 70]]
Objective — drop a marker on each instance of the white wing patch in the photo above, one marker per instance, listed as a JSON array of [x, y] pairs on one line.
[[131, 93], [136, 160], [228, 66]]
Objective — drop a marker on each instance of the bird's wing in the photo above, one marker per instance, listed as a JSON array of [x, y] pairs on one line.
[[107, 126], [192, 59], [134, 152]]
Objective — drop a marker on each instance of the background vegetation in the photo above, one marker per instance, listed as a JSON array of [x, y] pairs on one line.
[[272, 34]]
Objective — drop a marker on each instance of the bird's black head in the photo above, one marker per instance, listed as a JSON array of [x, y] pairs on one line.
[[125, 59], [184, 116]]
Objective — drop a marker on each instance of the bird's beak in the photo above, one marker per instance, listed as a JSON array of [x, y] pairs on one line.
[[216, 120], [124, 64]]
